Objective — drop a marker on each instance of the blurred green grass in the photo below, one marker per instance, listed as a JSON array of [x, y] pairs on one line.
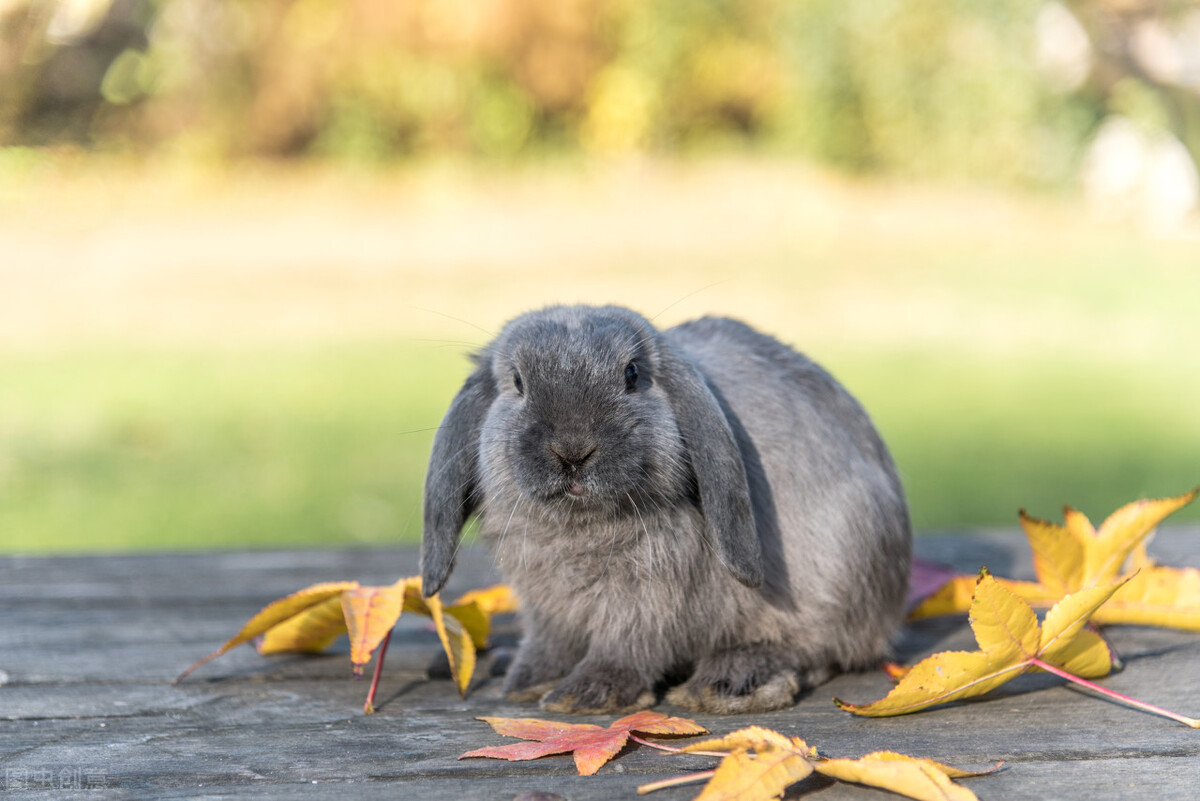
[[326, 445], [261, 362], [144, 449]]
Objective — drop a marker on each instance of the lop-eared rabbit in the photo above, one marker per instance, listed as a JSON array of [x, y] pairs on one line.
[[701, 506]]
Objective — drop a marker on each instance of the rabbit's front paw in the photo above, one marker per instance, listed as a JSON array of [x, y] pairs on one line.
[[744, 679], [599, 689], [534, 672]]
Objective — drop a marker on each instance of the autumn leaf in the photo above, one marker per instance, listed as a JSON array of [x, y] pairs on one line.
[[1074, 555], [475, 609], [278, 613], [1058, 555], [922, 779], [460, 647], [760, 764], [370, 614], [495, 600], [591, 745], [926, 578], [1156, 596], [757, 763], [1011, 643], [311, 631], [311, 619], [954, 597]]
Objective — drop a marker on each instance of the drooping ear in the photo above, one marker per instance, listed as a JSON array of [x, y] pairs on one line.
[[451, 483], [720, 471]]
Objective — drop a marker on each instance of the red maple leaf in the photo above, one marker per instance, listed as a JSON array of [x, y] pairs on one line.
[[592, 745]]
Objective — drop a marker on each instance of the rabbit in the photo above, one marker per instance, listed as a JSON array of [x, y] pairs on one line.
[[699, 506]]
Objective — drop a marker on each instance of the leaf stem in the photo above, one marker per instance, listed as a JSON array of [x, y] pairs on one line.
[[690, 778], [672, 749], [1125, 699], [369, 705]]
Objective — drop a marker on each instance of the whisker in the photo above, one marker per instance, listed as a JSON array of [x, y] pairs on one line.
[[452, 317], [649, 539], [504, 532], [690, 294]]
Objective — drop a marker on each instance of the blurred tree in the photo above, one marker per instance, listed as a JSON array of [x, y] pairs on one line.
[[53, 60], [960, 89], [1147, 61]]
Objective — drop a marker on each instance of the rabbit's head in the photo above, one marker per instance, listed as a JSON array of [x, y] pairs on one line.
[[589, 414], [580, 425]]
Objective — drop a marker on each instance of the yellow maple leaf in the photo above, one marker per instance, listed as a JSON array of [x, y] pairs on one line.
[[760, 764], [310, 631], [1011, 643], [922, 779], [311, 619], [460, 647], [1075, 555], [1156, 596], [494, 600], [954, 597], [277, 613], [1058, 555], [371, 613], [475, 609]]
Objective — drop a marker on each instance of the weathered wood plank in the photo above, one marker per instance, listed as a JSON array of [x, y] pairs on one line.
[[89, 645]]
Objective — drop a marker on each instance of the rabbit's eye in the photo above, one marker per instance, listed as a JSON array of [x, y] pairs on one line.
[[631, 374], [517, 383]]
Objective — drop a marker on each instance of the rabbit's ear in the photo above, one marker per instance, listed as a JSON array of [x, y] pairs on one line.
[[720, 472], [453, 479]]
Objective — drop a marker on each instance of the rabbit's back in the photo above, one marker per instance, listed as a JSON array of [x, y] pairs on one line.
[[828, 505]]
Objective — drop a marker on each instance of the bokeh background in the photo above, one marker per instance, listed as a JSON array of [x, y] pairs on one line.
[[247, 245]]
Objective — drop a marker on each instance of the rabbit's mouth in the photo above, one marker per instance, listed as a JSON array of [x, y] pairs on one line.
[[576, 489], [576, 492]]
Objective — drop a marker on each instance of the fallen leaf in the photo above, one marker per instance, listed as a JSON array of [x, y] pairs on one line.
[[476, 622], [276, 613], [370, 613], [1074, 555], [454, 628], [1011, 643], [753, 738], [922, 779], [310, 631], [1058, 555], [591, 745], [1156, 596], [496, 600], [459, 645], [954, 597], [475, 609], [925, 578], [761, 764], [311, 619]]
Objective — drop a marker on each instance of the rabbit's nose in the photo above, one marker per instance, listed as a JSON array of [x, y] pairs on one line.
[[573, 454]]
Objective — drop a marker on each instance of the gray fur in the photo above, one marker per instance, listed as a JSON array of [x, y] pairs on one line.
[[735, 520]]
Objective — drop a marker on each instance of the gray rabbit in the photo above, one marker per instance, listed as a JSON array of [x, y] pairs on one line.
[[700, 505]]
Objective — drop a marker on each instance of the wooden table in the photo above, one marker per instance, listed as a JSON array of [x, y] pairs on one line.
[[89, 647]]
